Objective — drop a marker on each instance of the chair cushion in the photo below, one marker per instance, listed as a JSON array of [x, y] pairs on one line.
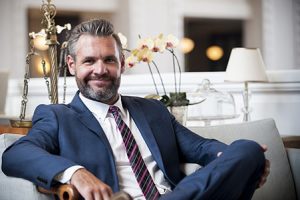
[[280, 183], [16, 188]]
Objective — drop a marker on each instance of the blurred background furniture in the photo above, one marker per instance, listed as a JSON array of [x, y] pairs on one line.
[[4, 75], [283, 181]]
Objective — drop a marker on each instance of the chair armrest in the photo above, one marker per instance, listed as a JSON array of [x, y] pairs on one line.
[[63, 192], [69, 192]]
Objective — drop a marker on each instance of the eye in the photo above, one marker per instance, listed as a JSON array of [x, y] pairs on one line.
[[88, 61], [111, 60]]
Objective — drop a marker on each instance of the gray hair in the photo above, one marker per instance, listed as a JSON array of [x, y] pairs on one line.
[[94, 27]]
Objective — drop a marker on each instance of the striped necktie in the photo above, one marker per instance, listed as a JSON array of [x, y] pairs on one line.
[[137, 163]]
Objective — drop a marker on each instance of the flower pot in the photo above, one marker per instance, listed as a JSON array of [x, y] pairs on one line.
[[178, 99], [180, 113]]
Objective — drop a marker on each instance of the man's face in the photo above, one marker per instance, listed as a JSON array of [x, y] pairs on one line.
[[98, 68]]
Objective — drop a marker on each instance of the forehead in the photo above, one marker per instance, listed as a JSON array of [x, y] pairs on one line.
[[88, 44]]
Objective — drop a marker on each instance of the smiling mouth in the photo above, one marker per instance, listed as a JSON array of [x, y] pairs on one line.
[[99, 82]]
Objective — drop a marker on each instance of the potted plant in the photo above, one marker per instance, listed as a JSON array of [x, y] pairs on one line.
[[144, 52]]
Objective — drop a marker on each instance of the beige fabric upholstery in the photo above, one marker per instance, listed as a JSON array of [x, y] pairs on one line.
[[280, 184], [16, 188]]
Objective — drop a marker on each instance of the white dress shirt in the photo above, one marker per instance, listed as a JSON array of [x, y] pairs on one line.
[[127, 180]]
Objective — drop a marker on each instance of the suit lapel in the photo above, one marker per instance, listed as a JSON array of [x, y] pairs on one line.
[[84, 115], [142, 124], [87, 119]]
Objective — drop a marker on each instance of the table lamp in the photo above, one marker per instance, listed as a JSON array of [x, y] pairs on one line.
[[245, 65]]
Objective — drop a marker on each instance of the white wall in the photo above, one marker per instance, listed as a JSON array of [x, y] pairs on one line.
[[278, 99], [281, 33]]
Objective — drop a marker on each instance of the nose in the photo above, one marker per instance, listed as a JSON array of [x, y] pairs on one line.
[[100, 68]]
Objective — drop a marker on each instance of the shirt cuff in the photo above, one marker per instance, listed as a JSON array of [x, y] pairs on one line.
[[65, 176]]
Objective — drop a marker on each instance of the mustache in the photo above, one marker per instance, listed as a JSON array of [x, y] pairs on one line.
[[102, 77]]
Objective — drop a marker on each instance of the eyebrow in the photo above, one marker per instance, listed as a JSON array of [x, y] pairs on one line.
[[88, 58], [111, 56]]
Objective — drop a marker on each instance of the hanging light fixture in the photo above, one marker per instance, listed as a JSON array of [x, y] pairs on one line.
[[186, 45], [214, 52]]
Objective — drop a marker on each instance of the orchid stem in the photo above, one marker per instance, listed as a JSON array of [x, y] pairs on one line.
[[179, 69], [175, 80], [162, 83], [153, 79]]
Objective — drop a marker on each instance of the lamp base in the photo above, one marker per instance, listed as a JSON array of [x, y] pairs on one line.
[[246, 96], [246, 112]]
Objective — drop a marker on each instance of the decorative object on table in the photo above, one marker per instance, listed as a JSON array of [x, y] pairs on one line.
[[147, 47], [49, 32], [246, 65], [217, 105]]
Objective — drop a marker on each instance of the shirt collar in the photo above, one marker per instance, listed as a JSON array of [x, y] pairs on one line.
[[101, 109]]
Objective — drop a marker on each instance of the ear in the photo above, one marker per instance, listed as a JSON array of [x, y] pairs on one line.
[[123, 64], [71, 64]]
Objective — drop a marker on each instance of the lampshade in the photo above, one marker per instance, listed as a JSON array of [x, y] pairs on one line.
[[245, 65]]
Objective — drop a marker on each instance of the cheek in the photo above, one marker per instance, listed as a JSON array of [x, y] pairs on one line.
[[83, 72], [116, 71]]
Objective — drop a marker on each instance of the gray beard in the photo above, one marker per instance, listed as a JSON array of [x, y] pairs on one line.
[[104, 96]]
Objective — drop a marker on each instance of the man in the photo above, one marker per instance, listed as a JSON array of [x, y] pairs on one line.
[[103, 142]]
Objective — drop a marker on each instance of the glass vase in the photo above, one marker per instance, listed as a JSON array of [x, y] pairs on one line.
[[180, 113]]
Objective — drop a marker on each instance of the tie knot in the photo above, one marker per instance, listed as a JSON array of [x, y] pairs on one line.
[[114, 110]]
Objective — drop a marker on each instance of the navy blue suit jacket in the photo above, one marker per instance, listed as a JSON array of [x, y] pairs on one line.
[[67, 135]]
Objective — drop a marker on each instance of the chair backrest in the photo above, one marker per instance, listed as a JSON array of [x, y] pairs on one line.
[[16, 188], [280, 183]]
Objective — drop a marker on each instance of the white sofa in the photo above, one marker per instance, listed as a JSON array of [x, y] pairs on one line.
[[283, 181]]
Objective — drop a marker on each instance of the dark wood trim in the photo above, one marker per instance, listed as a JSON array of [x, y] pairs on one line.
[[9, 129], [291, 141]]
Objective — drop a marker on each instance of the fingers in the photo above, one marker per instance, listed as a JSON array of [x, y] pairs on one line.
[[89, 186], [266, 173], [264, 147], [101, 193], [106, 193]]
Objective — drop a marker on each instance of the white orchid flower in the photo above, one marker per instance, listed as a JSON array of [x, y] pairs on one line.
[[159, 43], [131, 61], [172, 41], [145, 43], [145, 55]]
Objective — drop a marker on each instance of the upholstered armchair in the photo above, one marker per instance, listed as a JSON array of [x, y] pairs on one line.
[[283, 181]]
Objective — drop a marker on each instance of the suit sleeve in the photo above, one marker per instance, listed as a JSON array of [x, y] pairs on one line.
[[190, 147], [194, 148], [35, 156]]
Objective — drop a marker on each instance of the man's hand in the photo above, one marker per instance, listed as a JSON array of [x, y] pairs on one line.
[[89, 186], [266, 173]]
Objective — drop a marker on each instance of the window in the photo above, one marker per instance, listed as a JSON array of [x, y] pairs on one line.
[[213, 39]]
